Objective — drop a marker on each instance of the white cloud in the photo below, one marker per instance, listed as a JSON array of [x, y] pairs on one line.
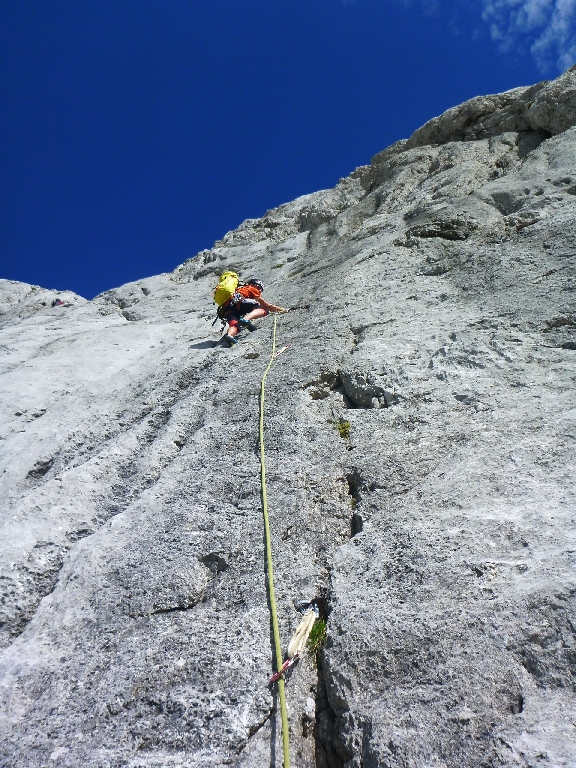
[[548, 27]]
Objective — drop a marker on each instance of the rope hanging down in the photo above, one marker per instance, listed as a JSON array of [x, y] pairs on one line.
[[270, 570]]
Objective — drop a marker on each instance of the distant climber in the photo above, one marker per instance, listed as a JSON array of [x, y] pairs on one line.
[[246, 305], [58, 303]]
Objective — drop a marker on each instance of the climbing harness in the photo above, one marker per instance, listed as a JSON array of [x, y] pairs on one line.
[[270, 570], [221, 310]]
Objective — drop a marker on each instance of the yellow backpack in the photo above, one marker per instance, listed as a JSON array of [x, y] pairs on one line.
[[226, 287]]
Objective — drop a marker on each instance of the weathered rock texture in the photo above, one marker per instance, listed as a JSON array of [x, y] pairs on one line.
[[433, 296]]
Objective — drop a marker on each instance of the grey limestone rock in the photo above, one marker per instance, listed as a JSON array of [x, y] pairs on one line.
[[420, 432]]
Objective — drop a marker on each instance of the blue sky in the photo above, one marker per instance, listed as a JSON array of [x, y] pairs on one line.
[[135, 133]]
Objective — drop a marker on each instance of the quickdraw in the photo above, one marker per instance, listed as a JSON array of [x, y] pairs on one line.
[[284, 668]]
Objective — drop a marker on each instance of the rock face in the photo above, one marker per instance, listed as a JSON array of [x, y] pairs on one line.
[[420, 433]]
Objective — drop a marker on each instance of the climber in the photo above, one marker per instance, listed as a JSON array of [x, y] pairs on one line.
[[246, 305]]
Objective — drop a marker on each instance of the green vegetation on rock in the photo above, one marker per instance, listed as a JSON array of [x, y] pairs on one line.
[[343, 428], [317, 638]]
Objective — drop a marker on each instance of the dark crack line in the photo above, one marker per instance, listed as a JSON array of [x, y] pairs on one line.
[[254, 729]]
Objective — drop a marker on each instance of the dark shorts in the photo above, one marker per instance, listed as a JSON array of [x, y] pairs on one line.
[[236, 311]]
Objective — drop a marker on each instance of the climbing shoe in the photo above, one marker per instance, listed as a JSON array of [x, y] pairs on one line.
[[247, 324], [230, 340]]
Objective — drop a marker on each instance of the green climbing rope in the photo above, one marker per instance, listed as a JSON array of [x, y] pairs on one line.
[[277, 644]]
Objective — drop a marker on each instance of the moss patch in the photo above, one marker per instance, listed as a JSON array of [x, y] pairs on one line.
[[343, 428], [317, 638]]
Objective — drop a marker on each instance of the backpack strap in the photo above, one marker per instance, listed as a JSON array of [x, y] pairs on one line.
[[234, 299]]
